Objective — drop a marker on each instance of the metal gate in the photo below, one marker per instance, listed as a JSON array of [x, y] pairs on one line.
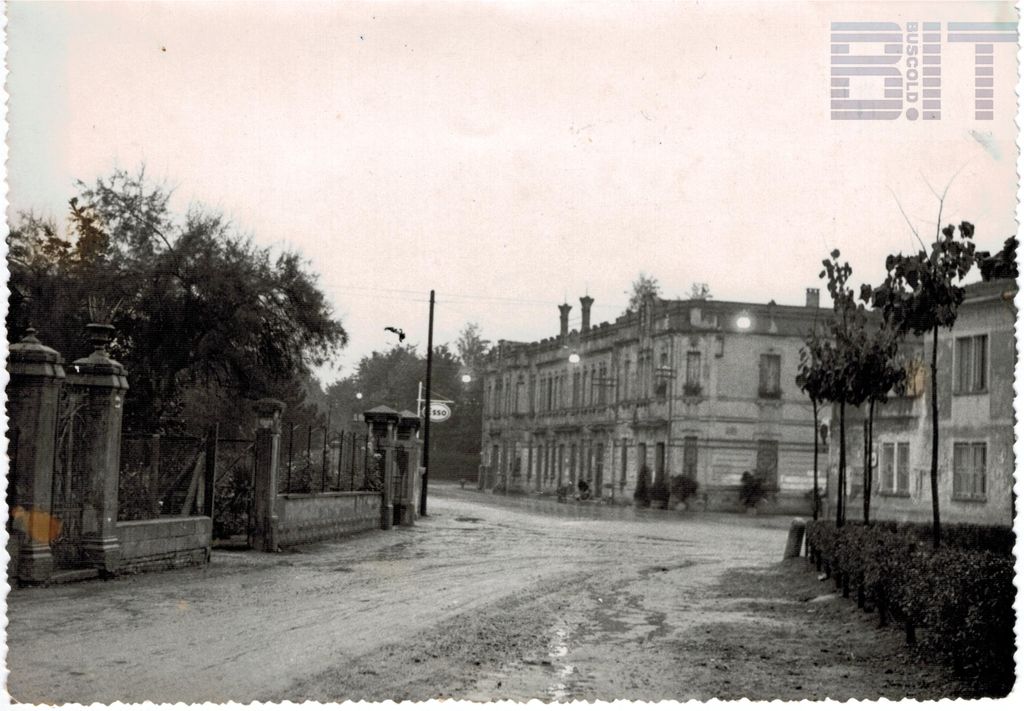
[[69, 483], [235, 467]]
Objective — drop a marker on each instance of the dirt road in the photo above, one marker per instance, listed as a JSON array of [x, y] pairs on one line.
[[489, 597]]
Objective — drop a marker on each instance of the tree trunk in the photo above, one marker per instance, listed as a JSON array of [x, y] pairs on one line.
[[841, 479], [936, 532], [869, 449], [814, 409]]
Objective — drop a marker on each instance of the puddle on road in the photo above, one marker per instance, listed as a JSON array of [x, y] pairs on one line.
[[468, 519], [559, 691]]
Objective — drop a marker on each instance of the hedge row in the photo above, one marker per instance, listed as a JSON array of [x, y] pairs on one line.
[[955, 603]]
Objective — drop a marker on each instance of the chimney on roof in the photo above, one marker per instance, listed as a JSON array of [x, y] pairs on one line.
[[812, 298], [585, 304], [563, 317]]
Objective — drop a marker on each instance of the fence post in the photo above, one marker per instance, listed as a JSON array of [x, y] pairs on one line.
[[341, 455], [288, 482], [268, 443], [323, 465], [32, 402], [352, 457], [210, 472], [103, 382]]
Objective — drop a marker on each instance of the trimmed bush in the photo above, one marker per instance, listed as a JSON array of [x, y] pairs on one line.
[[955, 603]]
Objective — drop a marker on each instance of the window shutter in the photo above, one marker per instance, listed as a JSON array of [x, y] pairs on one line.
[[903, 467], [1000, 373], [980, 362], [945, 378], [979, 469], [888, 467]]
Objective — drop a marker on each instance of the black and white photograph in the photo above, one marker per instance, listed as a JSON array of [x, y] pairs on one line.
[[510, 351]]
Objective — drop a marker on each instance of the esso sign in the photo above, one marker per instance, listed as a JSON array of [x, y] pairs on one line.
[[439, 412]]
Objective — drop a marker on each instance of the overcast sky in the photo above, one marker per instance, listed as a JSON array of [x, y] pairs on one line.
[[508, 155]]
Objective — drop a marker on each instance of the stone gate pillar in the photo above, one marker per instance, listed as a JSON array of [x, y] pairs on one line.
[[102, 382], [409, 445], [33, 394], [382, 422], [263, 536]]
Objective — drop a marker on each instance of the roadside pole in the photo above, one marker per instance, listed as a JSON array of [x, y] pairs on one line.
[[426, 410]]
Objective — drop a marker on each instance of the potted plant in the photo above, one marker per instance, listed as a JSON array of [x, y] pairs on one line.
[[660, 492], [752, 491], [642, 494], [682, 488]]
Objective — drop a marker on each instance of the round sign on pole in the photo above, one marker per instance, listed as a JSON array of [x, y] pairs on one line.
[[439, 412]]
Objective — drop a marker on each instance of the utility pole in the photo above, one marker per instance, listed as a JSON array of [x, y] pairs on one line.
[[426, 410]]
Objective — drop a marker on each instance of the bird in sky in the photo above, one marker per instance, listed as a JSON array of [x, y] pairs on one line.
[[399, 332]]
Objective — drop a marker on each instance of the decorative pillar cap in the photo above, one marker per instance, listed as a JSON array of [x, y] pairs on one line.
[[30, 357], [408, 423], [382, 414], [98, 365], [268, 414]]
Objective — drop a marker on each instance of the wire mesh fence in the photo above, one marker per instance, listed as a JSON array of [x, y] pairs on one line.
[[160, 476]]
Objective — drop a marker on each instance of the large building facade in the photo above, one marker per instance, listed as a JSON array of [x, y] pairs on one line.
[[975, 387], [697, 387]]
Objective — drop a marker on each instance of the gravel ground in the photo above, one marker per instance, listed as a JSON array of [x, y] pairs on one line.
[[488, 598]]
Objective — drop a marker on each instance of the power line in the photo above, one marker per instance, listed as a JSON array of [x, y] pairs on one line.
[[451, 297]]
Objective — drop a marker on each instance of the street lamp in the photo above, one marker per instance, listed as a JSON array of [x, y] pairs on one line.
[[574, 358], [359, 396], [467, 378], [743, 322]]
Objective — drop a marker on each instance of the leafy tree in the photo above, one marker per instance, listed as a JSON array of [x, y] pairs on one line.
[[472, 348], [699, 291], [644, 286], [922, 293], [816, 376], [197, 306], [846, 329], [879, 372], [1002, 265], [392, 378]]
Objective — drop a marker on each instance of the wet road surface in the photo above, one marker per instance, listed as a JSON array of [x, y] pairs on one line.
[[488, 597]]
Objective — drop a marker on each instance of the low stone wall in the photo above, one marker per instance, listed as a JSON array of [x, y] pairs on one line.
[[305, 518], [157, 544]]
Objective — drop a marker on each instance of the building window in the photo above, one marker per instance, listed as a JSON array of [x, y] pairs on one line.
[[971, 364], [896, 468], [768, 462], [969, 459], [690, 457], [768, 384], [692, 373]]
